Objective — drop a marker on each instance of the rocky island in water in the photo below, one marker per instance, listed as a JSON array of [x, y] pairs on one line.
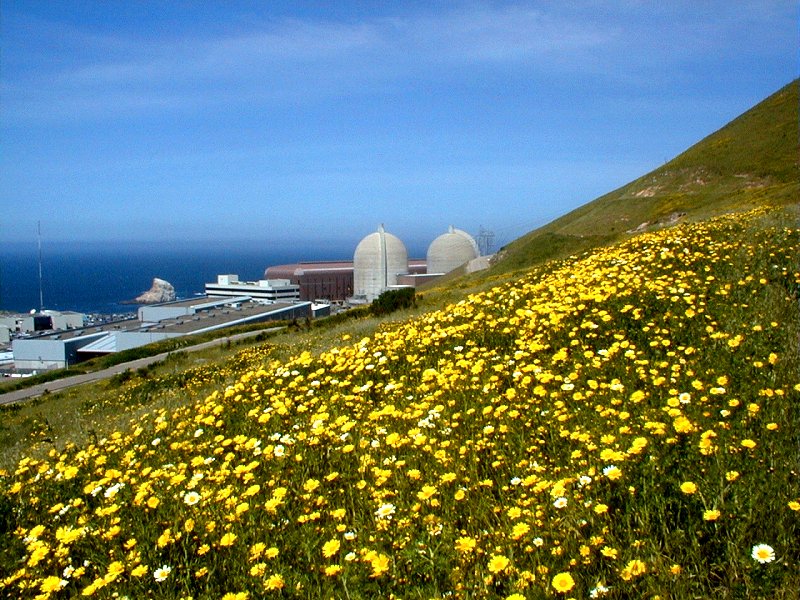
[[160, 291]]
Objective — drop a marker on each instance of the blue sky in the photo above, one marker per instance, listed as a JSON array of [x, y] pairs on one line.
[[286, 122]]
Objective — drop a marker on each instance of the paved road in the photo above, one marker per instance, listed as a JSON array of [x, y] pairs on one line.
[[67, 382]]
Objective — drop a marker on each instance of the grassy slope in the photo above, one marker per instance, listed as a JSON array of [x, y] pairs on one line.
[[718, 161], [752, 161], [762, 142], [626, 420]]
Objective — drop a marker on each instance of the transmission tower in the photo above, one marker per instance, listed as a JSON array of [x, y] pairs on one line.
[[485, 241]]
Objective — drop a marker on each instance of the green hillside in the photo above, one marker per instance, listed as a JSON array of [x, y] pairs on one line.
[[623, 423], [753, 161]]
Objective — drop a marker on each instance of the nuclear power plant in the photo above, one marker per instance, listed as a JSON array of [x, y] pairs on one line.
[[297, 291], [451, 250], [380, 262]]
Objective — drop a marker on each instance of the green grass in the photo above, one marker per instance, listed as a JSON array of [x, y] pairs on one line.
[[463, 452], [117, 358], [94, 410], [462, 447]]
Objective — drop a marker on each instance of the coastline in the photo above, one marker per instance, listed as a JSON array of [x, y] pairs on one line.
[[109, 282]]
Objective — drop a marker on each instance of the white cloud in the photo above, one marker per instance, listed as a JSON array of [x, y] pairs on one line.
[[514, 33], [292, 61]]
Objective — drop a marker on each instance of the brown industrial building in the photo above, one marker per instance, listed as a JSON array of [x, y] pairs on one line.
[[329, 280]]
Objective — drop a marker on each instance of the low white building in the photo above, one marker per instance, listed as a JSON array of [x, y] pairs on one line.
[[266, 290], [45, 320], [53, 350], [50, 352]]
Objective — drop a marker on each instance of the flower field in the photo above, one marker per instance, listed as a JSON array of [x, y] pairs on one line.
[[622, 424]]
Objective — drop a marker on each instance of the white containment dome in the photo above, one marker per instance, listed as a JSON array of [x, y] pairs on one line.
[[379, 259], [451, 250]]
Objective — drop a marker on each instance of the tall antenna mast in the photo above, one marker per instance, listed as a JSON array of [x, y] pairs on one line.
[[39, 237]]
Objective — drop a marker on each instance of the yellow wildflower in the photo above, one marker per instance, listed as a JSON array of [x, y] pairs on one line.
[[634, 568], [498, 563], [274, 582], [330, 548], [563, 582], [465, 544]]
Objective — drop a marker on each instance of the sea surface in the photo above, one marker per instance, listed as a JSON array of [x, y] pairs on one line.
[[99, 277]]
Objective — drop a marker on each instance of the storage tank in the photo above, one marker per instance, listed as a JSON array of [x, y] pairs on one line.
[[378, 260], [451, 250]]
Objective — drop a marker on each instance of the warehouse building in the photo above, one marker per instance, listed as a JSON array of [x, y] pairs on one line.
[[332, 280], [44, 320], [154, 323]]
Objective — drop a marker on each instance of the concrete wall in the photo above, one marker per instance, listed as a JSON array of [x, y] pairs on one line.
[[28, 324], [480, 263]]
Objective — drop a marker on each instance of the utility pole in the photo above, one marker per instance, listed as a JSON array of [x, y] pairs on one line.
[[39, 237]]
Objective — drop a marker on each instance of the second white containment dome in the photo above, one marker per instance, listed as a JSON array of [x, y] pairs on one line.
[[451, 250], [379, 259]]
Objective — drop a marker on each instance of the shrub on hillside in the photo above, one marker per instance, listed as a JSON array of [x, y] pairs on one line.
[[392, 300]]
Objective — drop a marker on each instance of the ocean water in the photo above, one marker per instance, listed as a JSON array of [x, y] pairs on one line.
[[100, 277]]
